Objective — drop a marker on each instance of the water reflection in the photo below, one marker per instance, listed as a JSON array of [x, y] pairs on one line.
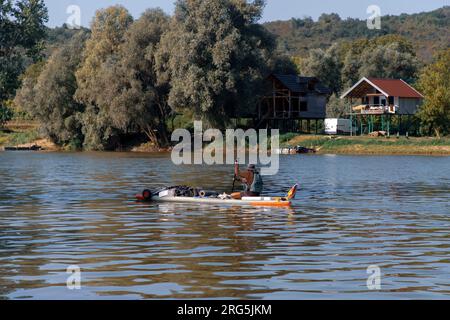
[[58, 210]]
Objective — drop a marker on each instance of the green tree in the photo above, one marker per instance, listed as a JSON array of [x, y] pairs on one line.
[[325, 65], [22, 31], [336, 107], [48, 98], [25, 94], [100, 58], [383, 57], [343, 64], [5, 115], [435, 85], [282, 64], [215, 56], [31, 15], [137, 103], [389, 61]]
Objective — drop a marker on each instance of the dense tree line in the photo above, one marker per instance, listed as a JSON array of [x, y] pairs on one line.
[[47, 93], [127, 78], [22, 32], [215, 55], [427, 30]]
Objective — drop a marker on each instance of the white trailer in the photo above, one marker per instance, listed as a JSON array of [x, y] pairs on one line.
[[338, 126]]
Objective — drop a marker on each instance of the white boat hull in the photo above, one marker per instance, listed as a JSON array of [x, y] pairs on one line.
[[254, 202]]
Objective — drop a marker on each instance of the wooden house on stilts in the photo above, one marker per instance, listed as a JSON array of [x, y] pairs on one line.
[[376, 101], [292, 100]]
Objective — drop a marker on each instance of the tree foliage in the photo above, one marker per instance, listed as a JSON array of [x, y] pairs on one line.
[[60, 36], [326, 65], [342, 65], [336, 107], [47, 94], [214, 56], [435, 85], [136, 102], [427, 30], [22, 32], [100, 58], [384, 57], [25, 94], [5, 114]]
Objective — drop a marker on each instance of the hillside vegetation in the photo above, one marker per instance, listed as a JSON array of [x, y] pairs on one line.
[[428, 31]]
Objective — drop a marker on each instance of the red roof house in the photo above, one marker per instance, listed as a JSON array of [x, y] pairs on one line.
[[379, 96]]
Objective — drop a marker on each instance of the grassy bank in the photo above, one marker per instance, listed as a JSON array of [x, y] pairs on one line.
[[372, 145], [15, 138], [24, 134]]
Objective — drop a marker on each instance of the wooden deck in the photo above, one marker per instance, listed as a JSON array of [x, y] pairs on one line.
[[375, 109]]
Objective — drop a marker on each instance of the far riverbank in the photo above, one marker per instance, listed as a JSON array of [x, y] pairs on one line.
[[28, 136], [373, 145]]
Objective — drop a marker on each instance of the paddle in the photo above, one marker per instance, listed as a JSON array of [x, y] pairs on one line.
[[234, 177]]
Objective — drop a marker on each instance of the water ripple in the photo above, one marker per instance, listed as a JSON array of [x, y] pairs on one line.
[[58, 210]]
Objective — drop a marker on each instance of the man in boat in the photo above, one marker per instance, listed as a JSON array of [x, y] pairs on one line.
[[251, 180]]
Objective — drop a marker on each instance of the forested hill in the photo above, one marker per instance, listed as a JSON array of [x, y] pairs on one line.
[[428, 31], [58, 36]]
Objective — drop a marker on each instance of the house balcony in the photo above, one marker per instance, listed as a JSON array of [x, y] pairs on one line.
[[375, 109]]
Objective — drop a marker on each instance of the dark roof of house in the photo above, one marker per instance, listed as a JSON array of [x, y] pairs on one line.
[[299, 84], [396, 88]]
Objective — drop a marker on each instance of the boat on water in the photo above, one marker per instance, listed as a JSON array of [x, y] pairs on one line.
[[191, 195], [295, 150]]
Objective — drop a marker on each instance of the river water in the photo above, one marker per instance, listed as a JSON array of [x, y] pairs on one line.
[[77, 209]]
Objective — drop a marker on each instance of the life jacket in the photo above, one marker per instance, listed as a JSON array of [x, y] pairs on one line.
[[257, 184]]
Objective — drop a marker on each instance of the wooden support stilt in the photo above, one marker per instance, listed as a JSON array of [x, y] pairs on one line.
[[274, 102], [389, 125], [351, 125], [290, 105], [361, 122]]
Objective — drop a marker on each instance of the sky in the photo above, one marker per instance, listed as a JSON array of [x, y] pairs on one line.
[[275, 9]]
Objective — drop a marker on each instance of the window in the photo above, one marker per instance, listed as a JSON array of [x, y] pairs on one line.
[[391, 101], [376, 100], [303, 106]]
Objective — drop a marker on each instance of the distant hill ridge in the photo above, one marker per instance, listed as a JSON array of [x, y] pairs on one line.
[[428, 31]]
